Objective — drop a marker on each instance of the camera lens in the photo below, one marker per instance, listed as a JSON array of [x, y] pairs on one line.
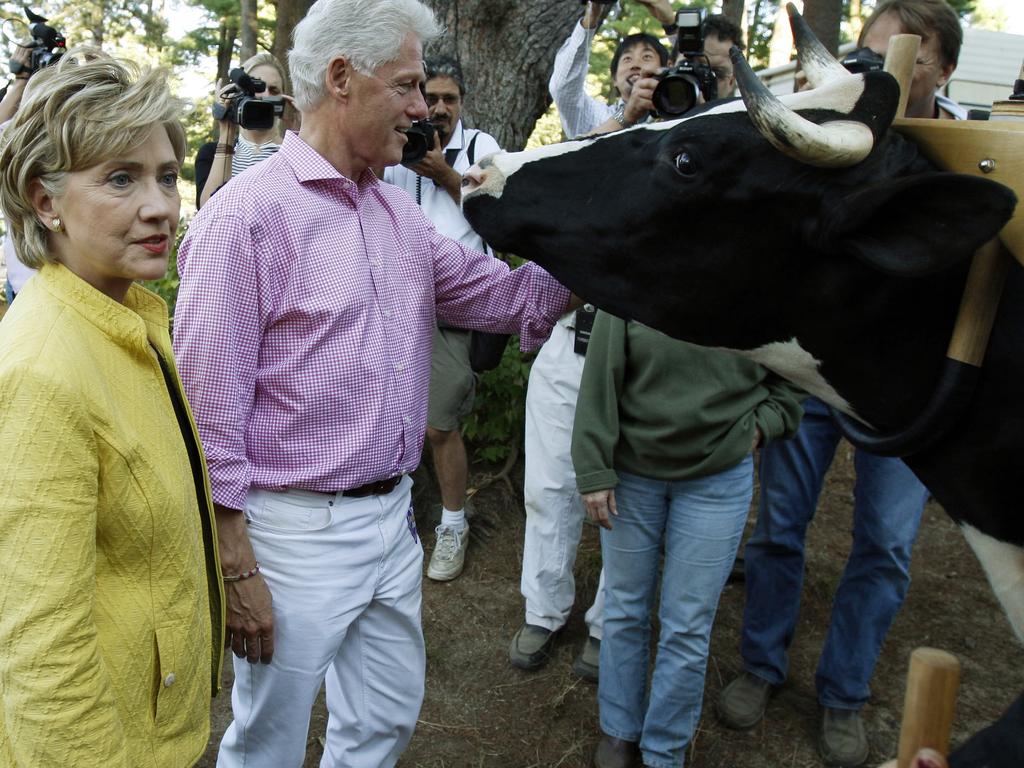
[[675, 95]]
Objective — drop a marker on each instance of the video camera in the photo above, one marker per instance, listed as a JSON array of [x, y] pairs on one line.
[[245, 109], [679, 86], [47, 45], [862, 60], [420, 140]]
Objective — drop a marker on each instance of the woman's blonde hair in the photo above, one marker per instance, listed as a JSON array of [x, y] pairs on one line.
[[83, 111]]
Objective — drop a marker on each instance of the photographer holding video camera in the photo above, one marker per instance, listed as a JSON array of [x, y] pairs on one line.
[[247, 112]]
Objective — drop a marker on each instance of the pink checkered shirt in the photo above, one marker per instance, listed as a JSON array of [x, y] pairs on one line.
[[305, 317]]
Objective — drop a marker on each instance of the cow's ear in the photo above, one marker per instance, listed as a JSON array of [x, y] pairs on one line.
[[918, 224]]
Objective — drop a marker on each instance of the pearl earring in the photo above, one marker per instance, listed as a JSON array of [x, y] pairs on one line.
[[55, 225]]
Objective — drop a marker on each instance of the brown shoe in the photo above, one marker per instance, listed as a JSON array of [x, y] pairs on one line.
[[616, 753]]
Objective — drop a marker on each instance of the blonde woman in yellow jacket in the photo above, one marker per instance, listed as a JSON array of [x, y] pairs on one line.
[[110, 591]]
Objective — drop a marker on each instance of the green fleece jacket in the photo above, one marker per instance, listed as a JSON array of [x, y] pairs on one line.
[[664, 409]]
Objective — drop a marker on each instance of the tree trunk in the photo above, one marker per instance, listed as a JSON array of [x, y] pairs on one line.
[[225, 49], [507, 52], [289, 13], [248, 29], [823, 17]]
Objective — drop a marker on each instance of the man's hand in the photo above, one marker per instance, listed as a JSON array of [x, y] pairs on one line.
[[601, 507], [250, 616], [660, 9], [434, 167], [925, 758], [640, 99]]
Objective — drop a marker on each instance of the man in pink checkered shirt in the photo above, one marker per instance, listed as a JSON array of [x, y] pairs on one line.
[[303, 331]]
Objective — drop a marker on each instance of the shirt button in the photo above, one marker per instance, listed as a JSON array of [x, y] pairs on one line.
[[387, 315], [399, 367], [407, 420], [169, 680]]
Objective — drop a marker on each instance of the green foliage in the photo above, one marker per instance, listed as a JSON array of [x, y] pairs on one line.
[[495, 426]]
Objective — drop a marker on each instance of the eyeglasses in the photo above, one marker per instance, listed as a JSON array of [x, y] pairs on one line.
[[449, 99]]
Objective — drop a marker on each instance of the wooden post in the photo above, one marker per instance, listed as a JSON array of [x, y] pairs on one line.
[[928, 708], [979, 304], [900, 60]]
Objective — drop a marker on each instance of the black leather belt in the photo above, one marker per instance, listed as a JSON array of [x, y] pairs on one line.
[[376, 488]]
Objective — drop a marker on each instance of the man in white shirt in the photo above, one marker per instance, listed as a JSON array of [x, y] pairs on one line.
[[554, 511], [435, 183]]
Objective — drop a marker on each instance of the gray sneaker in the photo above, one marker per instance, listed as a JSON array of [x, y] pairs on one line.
[[531, 647], [742, 702], [843, 741], [449, 553], [587, 663]]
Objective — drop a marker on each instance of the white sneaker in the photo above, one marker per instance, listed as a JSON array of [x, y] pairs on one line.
[[449, 553]]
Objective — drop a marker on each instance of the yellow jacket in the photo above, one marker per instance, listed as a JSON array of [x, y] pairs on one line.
[[111, 605]]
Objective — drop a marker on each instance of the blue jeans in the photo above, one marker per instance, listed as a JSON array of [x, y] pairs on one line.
[[888, 500], [699, 524], [8, 292]]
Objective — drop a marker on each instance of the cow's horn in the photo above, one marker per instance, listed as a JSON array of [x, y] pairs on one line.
[[818, 64], [835, 144]]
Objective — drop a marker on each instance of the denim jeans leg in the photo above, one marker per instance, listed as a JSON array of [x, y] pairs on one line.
[[887, 510], [631, 551], [705, 524], [791, 476]]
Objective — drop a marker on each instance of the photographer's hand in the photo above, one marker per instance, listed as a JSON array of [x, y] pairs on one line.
[[640, 102], [15, 89], [661, 10], [434, 167], [220, 171]]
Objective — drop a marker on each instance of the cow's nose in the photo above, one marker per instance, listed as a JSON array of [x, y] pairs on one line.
[[473, 179]]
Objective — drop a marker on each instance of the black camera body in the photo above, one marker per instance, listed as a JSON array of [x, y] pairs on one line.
[[862, 60], [48, 45], [679, 86], [245, 109], [420, 140]]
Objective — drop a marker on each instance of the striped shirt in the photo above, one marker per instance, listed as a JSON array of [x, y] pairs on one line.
[[248, 154], [305, 317]]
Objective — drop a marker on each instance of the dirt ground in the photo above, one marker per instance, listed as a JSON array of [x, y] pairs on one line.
[[481, 712]]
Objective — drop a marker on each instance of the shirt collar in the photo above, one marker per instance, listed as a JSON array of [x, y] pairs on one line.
[[458, 140], [310, 165], [142, 316]]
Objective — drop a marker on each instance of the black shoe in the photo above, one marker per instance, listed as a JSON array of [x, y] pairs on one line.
[[616, 753], [531, 647], [742, 702], [843, 742]]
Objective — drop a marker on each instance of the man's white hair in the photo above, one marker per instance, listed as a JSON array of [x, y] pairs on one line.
[[368, 33]]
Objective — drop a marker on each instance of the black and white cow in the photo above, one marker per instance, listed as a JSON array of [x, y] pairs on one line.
[[844, 273]]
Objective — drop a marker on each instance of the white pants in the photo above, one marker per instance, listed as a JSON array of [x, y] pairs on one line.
[[344, 575], [554, 510]]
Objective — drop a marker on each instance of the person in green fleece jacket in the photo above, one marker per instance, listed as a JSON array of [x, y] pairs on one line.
[[662, 447]]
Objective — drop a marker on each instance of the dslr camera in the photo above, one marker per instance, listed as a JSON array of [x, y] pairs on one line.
[[47, 46], [419, 140], [245, 109], [678, 87], [862, 60]]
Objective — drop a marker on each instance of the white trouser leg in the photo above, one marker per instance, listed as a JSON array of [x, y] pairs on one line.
[[554, 510], [327, 560]]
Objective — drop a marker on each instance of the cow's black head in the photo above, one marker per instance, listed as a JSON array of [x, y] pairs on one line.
[[676, 224]]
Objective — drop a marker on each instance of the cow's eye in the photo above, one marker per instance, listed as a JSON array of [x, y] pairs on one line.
[[685, 164]]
